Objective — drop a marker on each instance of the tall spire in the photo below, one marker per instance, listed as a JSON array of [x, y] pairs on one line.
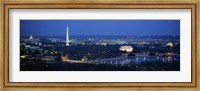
[[67, 36]]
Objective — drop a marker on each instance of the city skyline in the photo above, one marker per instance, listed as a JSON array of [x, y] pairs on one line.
[[100, 27], [106, 49]]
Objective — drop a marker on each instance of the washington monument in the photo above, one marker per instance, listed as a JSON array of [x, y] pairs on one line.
[[67, 36]]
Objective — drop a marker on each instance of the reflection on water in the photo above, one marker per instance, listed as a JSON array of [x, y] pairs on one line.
[[138, 60]]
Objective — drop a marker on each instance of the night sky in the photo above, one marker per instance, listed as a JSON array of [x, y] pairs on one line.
[[100, 27]]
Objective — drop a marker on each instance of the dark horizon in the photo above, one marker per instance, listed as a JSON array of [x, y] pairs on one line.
[[100, 27], [106, 35]]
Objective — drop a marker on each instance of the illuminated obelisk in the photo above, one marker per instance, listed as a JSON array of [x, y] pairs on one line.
[[67, 36]]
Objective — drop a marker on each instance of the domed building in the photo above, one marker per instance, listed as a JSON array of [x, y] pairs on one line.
[[31, 37], [126, 48], [170, 44]]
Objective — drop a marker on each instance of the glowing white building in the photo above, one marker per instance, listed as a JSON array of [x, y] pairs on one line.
[[67, 36], [126, 48], [170, 44], [31, 37]]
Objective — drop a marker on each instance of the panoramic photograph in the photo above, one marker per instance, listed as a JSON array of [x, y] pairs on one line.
[[100, 45]]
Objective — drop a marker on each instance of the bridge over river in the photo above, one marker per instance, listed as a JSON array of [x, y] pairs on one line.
[[124, 59]]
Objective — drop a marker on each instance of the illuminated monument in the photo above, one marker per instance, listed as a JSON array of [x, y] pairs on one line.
[[31, 37], [126, 48], [67, 36]]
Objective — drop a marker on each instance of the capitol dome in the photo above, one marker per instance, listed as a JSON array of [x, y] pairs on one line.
[[126, 48]]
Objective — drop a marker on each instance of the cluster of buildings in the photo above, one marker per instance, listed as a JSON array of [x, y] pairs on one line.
[[36, 49]]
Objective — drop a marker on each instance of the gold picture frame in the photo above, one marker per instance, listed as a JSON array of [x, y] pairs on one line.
[[154, 86]]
